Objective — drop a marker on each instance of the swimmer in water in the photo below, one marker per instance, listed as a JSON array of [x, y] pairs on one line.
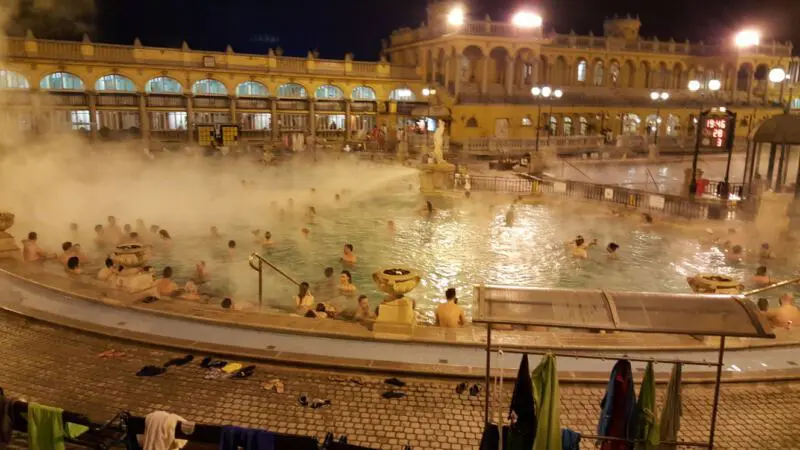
[[311, 213], [390, 226], [267, 238], [647, 219], [612, 251], [231, 249], [337, 197], [761, 279], [73, 265], [735, 255], [348, 256], [346, 282], [580, 247], [215, 233], [201, 274], [99, 236], [31, 250], [428, 210], [113, 231], [306, 232], [765, 252]]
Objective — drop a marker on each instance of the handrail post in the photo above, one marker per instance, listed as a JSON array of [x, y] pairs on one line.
[[260, 285]]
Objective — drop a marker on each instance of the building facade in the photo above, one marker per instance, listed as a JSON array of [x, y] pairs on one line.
[[482, 73]]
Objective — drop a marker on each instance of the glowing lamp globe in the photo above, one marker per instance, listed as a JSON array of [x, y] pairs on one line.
[[694, 86], [535, 91], [456, 16], [558, 93], [747, 38], [526, 19], [777, 75], [664, 96], [654, 96], [714, 85], [546, 91]]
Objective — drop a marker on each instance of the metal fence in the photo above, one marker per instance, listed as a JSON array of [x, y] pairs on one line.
[[515, 185], [673, 205]]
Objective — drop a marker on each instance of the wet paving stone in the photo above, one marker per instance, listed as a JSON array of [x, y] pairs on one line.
[[59, 366]]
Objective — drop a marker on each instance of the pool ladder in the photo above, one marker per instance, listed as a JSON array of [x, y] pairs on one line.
[[257, 263]]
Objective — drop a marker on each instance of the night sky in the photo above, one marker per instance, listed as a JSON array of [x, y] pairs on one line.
[[335, 27]]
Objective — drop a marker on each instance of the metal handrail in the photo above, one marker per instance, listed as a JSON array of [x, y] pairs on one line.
[[256, 261], [771, 287]]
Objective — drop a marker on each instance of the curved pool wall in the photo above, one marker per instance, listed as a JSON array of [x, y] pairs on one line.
[[431, 358]]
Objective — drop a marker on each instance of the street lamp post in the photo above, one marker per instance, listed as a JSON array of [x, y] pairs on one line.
[[778, 75], [540, 94], [695, 86], [658, 97]]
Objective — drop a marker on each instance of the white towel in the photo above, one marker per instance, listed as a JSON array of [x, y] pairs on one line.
[[159, 432]]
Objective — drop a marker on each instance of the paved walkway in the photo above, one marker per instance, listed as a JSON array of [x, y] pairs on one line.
[[59, 366]]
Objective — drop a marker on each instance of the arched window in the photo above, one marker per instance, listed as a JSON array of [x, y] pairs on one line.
[[61, 81], [567, 126], [472, 123], [402, 95], [13, 80], [364, 93], [163, 85], [583, 127], [673, 125], [582, 71], [599, 73], [115, 83], [252, 89], [630, 124], [527, 121], [553, 125], [653, 123], [329, 92], [209, 87], [292, 90], [613, 73]]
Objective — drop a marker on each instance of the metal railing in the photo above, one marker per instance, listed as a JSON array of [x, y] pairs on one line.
[[673, 205], [257, 263], [515, 185]]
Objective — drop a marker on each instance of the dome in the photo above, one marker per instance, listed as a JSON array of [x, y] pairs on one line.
[[782, 129]]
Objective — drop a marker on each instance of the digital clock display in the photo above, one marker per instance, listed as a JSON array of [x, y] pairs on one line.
[[716, 132]]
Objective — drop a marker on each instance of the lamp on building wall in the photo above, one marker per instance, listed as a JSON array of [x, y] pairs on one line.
[[658, 97], [747, 38], [456, 16], [526, 19], [541, 94]]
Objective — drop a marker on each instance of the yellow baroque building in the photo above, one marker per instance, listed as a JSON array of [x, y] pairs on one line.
[[482, 73]]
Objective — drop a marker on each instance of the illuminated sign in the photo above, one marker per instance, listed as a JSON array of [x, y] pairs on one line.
[[717, 131]]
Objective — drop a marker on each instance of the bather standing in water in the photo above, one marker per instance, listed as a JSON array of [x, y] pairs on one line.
[[112, 231], [267, 241], [31, 250], [580, 247], [612, 251], [346, 285], [428, 210], [303, 301], [349, 256], [73, 266], [390, 227], [363, 311], [201, 274], [231, 250]]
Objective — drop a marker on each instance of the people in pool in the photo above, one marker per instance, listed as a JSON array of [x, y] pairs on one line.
[[349, 256], [363, 311], [611, 249], [73, 265], [647, 219], [346, 282], [303, 301], [306, 232], [99, 236], [765, 252], [786, 315], [761, 279], [201, 274], [390, 226], [113, 231], [31, 250], [428, 210], [231, 249], [215, 233], [165, 287], [108, 271], [735, 255], [449, 314], [267, 238], [580, 247]]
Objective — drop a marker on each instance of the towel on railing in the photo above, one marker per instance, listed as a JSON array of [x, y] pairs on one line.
[[47, 430]]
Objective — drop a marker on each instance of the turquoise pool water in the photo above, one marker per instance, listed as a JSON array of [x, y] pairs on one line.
[[466, 242]]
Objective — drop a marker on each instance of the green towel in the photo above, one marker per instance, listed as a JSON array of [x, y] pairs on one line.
[[46, 428], [671, 414], [647, 434], [548, 408]]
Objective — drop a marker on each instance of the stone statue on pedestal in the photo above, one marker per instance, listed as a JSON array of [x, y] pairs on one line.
[[438, 142]]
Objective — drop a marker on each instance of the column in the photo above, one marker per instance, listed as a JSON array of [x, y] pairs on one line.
[[144, 120], [458, 77], [273, 119], [189, 118], [312, 118], [347, 125], [485, 76], [92, 115], [232, 107], [750, 82], [509, 74], [447, 63]]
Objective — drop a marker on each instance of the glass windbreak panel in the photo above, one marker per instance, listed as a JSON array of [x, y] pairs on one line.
[[564, 307], [709, 315]]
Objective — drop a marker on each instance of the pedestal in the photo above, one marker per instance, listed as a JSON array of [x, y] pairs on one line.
[[8, 248], [436, 177], [395, 319]]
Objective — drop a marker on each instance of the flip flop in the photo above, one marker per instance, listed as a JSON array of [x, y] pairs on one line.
[[150, 371], [394, 382], [244, 373], [461, 388], [303, 400], [319, 403], [474, 390]]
